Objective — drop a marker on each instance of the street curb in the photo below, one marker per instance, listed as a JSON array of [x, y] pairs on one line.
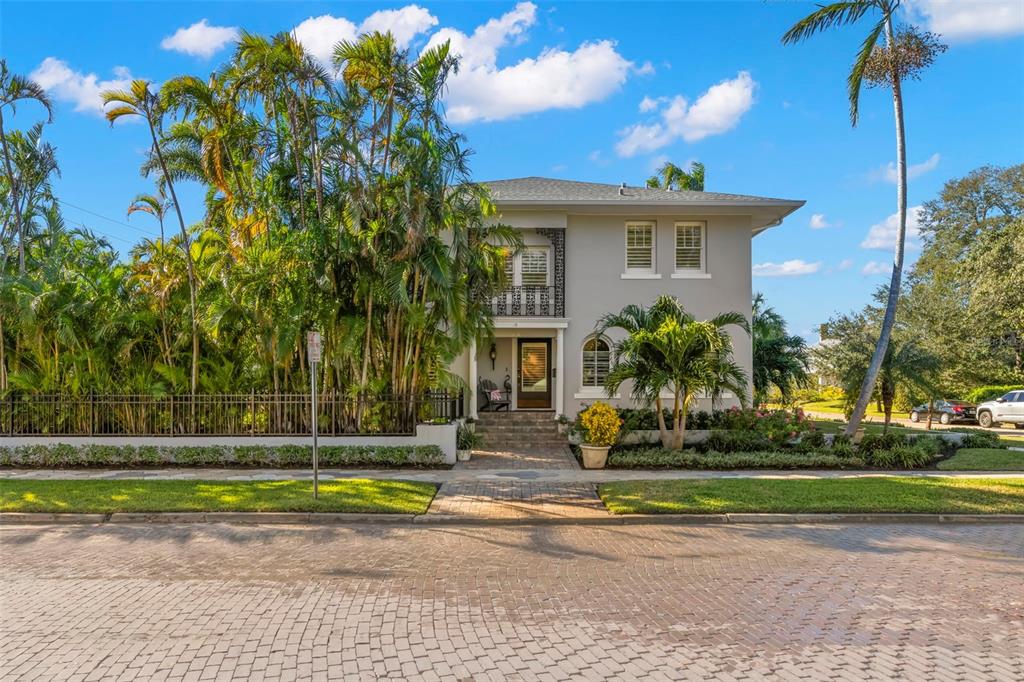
[[315, 518]]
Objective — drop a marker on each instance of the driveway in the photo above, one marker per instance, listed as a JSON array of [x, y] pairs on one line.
[[904, 421], [529, 602]]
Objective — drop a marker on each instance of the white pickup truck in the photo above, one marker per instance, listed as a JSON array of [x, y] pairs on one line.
[[1008, 409]]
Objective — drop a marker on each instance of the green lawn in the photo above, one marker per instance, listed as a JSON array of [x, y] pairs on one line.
[[101, 496], [836, 407], [888, 494], [869, 427], [984, 459]]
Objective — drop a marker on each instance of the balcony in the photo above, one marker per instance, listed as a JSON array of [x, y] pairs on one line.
[[528, 301]]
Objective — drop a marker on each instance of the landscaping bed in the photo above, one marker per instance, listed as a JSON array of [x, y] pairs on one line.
[[92, 496], [888, 494], [63, 456]]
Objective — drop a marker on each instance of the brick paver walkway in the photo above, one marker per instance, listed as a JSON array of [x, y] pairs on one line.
[[532, 457], [160, 602], [516, 488]]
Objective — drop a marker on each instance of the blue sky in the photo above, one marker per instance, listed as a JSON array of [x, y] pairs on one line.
[[591, 91]]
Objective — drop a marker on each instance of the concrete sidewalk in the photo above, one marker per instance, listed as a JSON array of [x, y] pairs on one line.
[[481, 476]]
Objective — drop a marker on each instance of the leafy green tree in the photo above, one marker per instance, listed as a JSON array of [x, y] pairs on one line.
[[905, 54], [14, 89], [781, 360], [671, 176], [140, 101], [965, 297], [666, 348]]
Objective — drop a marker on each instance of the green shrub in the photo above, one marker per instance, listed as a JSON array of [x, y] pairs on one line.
[[737, 441], [62, 456], [980, 439], [983, 393], [900, 457], [659, 458]]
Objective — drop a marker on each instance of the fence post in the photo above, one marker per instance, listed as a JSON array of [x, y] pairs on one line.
[[252, 412], [170, 401], [10, 414], [92, 413]]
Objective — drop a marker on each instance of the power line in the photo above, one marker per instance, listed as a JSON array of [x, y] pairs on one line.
[[116, 222]]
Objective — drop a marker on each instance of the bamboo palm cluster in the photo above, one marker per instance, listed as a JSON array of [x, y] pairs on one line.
[[334, 198]]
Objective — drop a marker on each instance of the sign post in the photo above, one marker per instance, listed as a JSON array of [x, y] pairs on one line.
[[313, 352]]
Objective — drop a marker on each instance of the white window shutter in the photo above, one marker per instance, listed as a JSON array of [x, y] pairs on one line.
[[690, 246]]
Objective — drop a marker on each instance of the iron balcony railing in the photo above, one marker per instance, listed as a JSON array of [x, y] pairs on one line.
[[252, 414], [527, 301]]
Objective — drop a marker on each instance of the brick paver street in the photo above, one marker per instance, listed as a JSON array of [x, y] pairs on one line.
[[159, 601]]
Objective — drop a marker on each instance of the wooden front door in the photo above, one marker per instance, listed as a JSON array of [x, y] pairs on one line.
[[534, 381]]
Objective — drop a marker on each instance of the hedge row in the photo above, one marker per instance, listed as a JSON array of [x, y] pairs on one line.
[[283, 456], [882, 452], [658, 458]]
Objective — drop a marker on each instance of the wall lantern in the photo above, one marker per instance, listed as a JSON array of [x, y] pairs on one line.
[[493, 356]]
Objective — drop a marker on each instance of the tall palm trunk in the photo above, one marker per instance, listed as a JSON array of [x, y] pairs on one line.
[[192, 283], [867, 388], [20, 227]]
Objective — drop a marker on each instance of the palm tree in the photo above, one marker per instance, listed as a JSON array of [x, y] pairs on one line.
[[671, 176], [139, 100], [13, 89], [666, 348], [155, 205], [907, 369], [780, 359], [905, 54]]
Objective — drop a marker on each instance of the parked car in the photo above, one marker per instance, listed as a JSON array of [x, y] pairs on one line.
[[946, 411], [1008, 409]]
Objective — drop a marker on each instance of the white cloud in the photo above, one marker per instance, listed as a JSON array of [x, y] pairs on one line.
[[200, 39], [320, 34], [845, 264], [789, 268], [648, 104], [914, 170], [874, 267], [970, 19], [716, 111], [554, 79], [598, 157], [81, 89], [883, 235], [645, 69], [404, 24], [818, 222]]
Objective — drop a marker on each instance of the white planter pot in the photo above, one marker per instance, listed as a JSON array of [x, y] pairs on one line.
[[463, 455], [594, 456]]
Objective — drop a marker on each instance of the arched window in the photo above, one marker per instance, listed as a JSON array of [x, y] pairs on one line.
[[596, 360]]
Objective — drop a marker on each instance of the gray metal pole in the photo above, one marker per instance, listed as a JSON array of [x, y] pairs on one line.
[[316, 459]]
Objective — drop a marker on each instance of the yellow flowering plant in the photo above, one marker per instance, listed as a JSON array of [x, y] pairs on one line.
[[600, 424]]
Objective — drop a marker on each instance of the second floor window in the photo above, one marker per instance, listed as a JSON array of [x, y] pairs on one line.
[[639, 247], [534, 267], [689, 247]]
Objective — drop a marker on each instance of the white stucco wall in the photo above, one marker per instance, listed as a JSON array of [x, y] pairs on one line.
[[594, 285]]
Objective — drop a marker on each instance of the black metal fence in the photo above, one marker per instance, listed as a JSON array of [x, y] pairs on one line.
[[250, 414]]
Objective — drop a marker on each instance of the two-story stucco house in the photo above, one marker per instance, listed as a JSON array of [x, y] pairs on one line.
[[592, 249]]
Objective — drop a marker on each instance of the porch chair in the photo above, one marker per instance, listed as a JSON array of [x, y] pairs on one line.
[[494, 398]]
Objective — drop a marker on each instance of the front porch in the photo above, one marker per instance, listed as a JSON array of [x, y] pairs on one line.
[[524, 364]]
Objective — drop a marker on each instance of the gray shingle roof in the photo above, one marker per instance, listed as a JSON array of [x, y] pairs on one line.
[[549, 190]]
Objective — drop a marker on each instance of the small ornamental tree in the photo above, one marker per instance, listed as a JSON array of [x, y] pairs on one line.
[[667, 349]]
